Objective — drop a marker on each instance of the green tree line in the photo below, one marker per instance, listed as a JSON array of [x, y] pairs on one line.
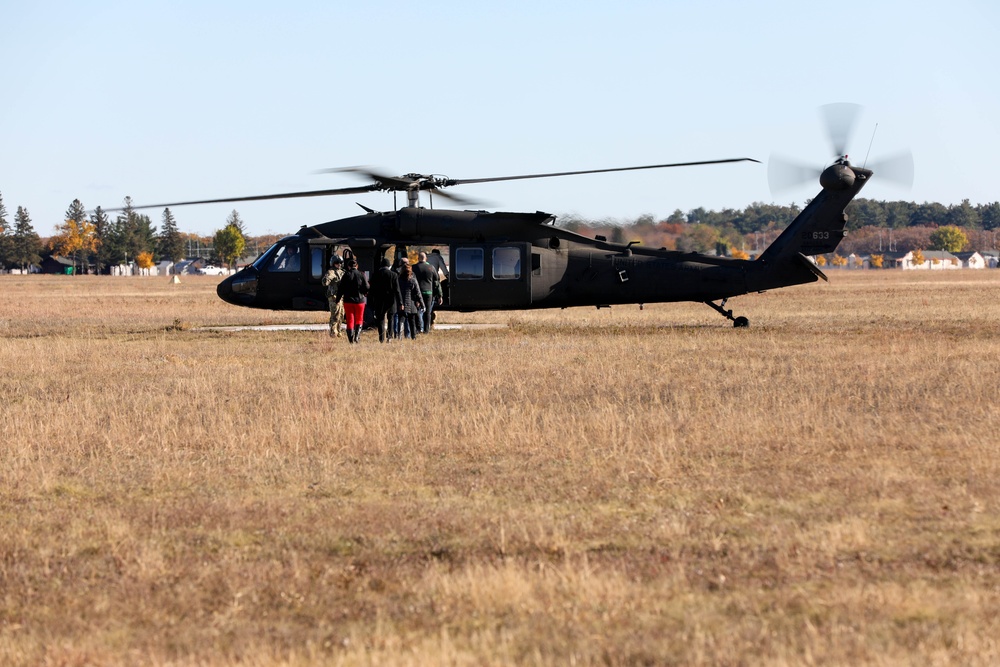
[[872, 226], [861, 213], [96, 241]]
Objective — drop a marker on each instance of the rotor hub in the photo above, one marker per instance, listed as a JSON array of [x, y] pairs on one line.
[[838, 176]]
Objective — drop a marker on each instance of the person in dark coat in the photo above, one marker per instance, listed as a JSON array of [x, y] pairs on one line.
[[411, 303], [430, 289], [384, 295], [352, 290], [398, 318]]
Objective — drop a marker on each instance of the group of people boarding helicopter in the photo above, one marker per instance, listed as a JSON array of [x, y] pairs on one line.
[[401, 297]]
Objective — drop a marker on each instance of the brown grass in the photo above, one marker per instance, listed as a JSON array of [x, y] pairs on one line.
[[579, 486]]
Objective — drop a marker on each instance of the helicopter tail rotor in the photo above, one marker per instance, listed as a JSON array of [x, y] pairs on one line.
[[896, 169], [839, 120]]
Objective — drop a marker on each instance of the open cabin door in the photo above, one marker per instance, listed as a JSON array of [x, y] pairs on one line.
[[319, 252], [490, 275]]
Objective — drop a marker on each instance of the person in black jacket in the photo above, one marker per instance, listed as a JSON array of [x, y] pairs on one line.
[[352, 290], [411, 304], [384, 294]]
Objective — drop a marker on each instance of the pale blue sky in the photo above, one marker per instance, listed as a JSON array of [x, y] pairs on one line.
[[168, 101]]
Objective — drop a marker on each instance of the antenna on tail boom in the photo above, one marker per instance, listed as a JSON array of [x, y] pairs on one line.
[[870, 146]]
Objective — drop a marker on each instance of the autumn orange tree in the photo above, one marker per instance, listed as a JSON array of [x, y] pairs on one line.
[[144, 260], [77, 237]]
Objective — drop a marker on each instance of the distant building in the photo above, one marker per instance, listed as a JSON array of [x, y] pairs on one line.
[[189, 266], [856, 261], [971, 260], [55, 264], [893, 260], [164, 268], [122, 269], [934, 260]]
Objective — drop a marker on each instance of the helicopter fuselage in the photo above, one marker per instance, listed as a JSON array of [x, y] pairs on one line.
[[497, 261]]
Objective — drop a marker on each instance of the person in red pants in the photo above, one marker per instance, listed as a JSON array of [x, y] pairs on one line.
[[353, 290]]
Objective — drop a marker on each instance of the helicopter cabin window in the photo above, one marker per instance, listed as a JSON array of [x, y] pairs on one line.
[[469, 263], [316, 262], [286, 259], [506, 263]]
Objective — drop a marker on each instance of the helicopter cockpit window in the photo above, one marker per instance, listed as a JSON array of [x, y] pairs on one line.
[[506, 264], [264, 258], [468, 264], [287, 259]]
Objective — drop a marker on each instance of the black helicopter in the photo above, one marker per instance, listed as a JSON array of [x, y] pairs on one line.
[[514, 261]]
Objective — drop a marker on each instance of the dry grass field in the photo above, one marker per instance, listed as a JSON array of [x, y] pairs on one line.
[[575, 487]]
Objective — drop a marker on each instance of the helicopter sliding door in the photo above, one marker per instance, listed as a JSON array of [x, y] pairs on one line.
[[490, 275]]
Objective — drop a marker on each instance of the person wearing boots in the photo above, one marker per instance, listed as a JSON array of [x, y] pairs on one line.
[[411, 303], [331, 281], [352, 290], [383, 296], [430, 289]]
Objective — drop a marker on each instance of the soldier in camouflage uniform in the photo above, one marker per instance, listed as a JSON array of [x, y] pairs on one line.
[[331, 280]]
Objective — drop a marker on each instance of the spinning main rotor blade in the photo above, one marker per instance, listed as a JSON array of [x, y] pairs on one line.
[[283, 195], [403, 183], [463, 201], [464, 181], [784, 173], [399, 183], [409, 182]]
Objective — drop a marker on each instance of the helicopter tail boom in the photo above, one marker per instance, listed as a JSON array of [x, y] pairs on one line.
[[819, 229]]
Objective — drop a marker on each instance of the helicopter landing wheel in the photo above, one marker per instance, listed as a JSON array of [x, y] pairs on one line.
[[738, 322]]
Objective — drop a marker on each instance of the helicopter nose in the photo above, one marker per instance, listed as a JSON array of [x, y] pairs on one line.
[[239, 289], [225, 289]]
